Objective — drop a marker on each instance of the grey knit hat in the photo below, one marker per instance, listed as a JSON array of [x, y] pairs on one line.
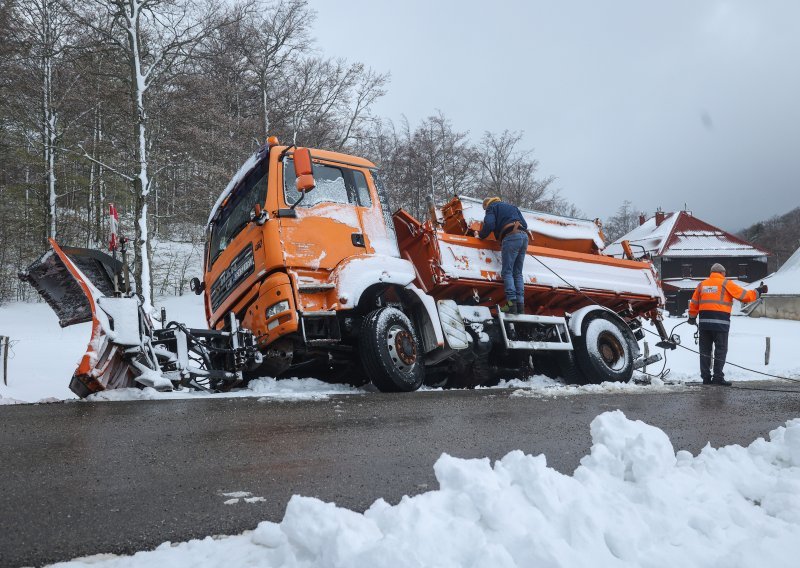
[[718, 268]]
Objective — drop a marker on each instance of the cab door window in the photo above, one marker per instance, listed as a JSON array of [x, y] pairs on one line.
[[333, 185], [236, 214], [362, 189]]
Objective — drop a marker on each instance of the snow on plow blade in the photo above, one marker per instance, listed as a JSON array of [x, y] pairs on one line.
[[78, 285]]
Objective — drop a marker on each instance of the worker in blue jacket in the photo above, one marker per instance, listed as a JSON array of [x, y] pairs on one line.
[[509, 227]]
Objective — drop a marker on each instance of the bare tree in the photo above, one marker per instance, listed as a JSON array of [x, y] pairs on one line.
[[622, 222], [155, 38], [44, 28], [368, 87], [274, 35], [510, 173]]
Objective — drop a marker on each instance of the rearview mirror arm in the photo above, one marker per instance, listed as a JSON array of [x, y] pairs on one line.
[[285, 151], [296, 203]]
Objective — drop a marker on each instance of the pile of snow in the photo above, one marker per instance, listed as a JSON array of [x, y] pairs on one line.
[[540, 386], [785, 281], [632, 502], [265, 389]]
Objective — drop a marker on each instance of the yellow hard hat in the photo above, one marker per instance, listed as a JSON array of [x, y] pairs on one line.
[[489, 200]]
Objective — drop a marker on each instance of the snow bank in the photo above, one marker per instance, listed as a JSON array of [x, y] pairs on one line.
[[44, 355], [265, 389], [632, 502], [746, 344]]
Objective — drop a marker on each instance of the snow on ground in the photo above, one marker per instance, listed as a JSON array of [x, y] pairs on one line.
[[633, 501], [43, 357], [266, 388], [746, 347]]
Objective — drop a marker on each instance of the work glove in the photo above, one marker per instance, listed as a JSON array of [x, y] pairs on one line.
[[763, 289], [692, 321]]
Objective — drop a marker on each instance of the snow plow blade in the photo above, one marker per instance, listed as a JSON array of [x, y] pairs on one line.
[[58, 282], [78, 286], [125, 350]]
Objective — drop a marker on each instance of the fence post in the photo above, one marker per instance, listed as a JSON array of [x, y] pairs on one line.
[[766, 352], [4, 358], [646, 355]]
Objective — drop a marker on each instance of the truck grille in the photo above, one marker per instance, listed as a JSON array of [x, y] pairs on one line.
[[241, 267]]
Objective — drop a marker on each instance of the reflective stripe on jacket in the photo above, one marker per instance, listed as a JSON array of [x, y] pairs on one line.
[[713, 300]]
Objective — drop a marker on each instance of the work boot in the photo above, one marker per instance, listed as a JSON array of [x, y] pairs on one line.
[[508, 307], [520, 308], [721, 382]]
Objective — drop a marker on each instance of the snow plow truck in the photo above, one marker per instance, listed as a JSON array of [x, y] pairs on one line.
[[308, 272]]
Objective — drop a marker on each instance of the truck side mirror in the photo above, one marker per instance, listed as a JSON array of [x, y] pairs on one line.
[[258, 215], [303, 170], [196, 286]]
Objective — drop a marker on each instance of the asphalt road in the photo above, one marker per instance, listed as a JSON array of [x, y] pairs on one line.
[[83, 478]]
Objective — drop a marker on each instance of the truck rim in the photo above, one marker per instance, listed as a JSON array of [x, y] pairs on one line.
[[401, 347], [611, 351]]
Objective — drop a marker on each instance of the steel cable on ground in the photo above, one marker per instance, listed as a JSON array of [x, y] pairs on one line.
[[579, 291]]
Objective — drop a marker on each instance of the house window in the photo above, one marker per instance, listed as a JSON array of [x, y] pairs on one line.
[[686, 270], [743, 272]]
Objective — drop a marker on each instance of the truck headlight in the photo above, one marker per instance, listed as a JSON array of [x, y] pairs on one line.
[[275, 309]]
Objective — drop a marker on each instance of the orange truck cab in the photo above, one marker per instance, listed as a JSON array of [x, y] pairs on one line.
[[302, 248]]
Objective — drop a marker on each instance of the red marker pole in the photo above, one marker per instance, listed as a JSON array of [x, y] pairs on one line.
[[113, 241]]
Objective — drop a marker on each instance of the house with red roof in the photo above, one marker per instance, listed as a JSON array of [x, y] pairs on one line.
[[683, 248]]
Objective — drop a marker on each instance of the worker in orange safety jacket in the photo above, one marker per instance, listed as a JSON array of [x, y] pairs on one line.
[[712, 302]]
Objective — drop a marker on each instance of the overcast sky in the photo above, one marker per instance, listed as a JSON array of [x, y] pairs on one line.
[[660, 103]]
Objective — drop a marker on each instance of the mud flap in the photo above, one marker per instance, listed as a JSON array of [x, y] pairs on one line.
[[78, 285]]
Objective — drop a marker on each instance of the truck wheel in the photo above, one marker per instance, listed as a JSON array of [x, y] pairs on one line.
[[603, 352], [390, 351]]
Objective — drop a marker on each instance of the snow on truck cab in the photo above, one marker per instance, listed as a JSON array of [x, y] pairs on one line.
[[308, 273]]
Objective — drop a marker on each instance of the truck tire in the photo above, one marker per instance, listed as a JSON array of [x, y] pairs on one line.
[[390, 351], [603, 352]]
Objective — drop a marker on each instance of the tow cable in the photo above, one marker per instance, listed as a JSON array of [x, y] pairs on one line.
[[674, 341]]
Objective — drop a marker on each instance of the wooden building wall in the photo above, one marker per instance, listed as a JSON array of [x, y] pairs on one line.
[[746, 269]]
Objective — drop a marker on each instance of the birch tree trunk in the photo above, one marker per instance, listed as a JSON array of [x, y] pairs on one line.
[[45, 21], [140, 181]]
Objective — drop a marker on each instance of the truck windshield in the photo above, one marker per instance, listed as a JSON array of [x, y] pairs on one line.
[[236, 213]]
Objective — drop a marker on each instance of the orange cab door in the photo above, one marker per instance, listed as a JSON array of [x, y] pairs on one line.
[[327, 228], [235, 259]]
